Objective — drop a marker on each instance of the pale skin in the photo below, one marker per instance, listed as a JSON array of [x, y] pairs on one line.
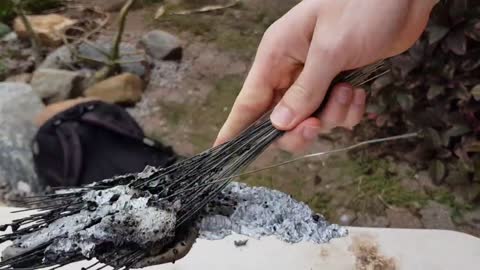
[[304, 50]]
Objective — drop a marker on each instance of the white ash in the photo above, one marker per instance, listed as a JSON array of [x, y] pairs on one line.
[[118, 216], [263, 212]]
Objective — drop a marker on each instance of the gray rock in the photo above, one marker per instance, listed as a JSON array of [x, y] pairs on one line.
[[412, 185], [437, 216], [402, 218], [60, 58], [20, 78], [457, 176], [18, 106], [133, 61], [4, 29], [10, 37], [54, 85], [161, 45], [425, 181], [403, 169], [473, 218]]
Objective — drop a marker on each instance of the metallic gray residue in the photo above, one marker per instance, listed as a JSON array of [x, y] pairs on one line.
[[263, 212], [119, 216]]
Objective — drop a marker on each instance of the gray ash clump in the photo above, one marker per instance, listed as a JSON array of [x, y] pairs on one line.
[[258, 212], [115, 217]]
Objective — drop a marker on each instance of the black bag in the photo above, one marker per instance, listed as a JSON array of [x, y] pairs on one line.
[[93, 141]]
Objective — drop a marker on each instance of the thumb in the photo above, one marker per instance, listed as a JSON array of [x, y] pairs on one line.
[[306, 94]]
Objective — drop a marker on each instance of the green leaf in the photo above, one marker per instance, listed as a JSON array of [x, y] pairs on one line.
[[375, 108], [381, 83], [458, 10], [461, 93], [470, 64], [435, 91], [405, 101], [444, 153], [448, 70], [403, 64], [458, 130], [473, 30], [434, 137], [437, 171], [457, 42], [476, 92], [454, 131], [4, 29], [436, 33]]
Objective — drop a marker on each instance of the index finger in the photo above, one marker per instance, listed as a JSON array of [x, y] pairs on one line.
[[253, 100], [278, 62]]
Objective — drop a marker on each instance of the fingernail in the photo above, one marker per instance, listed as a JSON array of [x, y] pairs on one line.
[[282, 116], [344, 95], [310, 133], [359, 97]]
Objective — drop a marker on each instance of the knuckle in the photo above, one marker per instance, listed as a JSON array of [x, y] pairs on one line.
[[331, 49], [268, 49], [327, 49], [271, 32]]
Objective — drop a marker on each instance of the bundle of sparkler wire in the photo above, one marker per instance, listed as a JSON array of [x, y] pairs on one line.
[[104, 220]]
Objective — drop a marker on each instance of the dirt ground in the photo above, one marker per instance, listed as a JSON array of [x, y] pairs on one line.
[[186, 103]]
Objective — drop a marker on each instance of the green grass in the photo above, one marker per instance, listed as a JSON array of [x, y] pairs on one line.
[[320, 203], [174, 113], [206, 117], [369, 186], [447, 198], [373, 181], [30, 6], [212, 112]]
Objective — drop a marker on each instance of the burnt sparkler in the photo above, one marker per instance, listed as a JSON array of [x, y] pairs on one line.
[[126, 221]]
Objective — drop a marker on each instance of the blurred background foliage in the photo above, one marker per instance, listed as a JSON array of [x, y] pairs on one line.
[[435, 87], [30, 6]]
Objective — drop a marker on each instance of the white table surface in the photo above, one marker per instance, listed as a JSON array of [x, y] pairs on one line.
[[363, 249]]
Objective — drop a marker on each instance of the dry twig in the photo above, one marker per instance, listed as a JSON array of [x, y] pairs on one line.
[[206, 8]]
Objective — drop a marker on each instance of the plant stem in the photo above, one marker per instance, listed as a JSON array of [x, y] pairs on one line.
[[113, 63], [115, 53], [36, 46]]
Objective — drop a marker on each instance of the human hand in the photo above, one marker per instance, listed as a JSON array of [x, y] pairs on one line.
[[305, 49]]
